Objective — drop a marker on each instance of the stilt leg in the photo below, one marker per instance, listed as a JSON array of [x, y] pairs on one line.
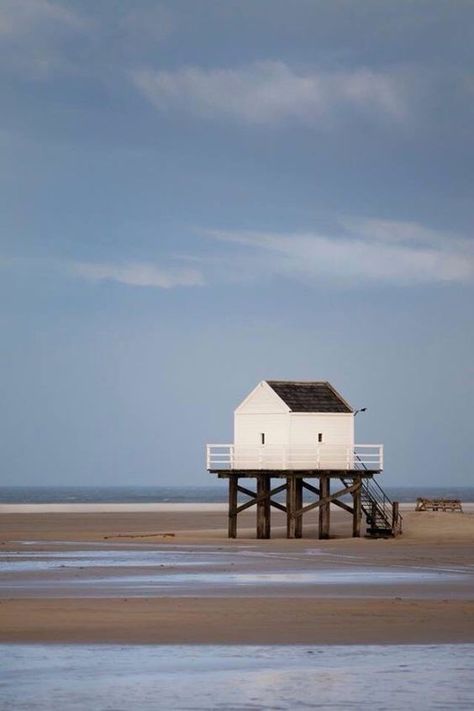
[[396, 530], [357, 515], [263, 507], [290, 507], [298, 506], [324, 509], [233, 482]]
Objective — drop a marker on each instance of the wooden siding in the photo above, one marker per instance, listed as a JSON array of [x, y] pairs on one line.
[[336, 428], [248, 429], [262, 399], [337, 431]]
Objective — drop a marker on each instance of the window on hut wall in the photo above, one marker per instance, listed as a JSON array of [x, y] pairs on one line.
[[320, 437], [262, 437]]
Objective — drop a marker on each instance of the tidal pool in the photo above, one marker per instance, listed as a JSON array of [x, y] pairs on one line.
[[203, 571]]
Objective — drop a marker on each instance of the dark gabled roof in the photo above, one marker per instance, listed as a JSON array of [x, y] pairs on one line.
[[309, 396]]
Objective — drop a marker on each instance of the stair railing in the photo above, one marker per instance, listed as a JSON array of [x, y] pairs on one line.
[[381, 505]]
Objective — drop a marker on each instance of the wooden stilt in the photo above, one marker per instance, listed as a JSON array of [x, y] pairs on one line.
[[324, 509], [357, 512], [290, 507], [298, 507], [263, 506], [396, 518], [233, 484]]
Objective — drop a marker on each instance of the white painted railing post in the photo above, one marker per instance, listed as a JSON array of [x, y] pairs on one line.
[[359, 456]]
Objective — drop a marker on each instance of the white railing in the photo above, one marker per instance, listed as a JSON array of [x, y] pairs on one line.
[[276, 457]]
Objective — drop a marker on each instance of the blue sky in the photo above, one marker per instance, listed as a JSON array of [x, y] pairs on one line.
[[197, 196]]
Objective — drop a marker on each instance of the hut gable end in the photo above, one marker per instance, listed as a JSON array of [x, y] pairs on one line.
[[263, 399], [301, 396]]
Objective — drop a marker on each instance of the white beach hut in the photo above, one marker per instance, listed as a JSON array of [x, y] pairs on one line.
[[295, 425], [302, 431]]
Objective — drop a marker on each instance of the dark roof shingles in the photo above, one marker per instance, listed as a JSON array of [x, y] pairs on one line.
[[309, 396]]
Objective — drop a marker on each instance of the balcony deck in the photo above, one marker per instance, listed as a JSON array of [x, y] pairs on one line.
[[354, 466], [278, 461]]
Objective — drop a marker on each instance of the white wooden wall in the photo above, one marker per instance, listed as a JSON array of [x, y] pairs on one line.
[[248, 428], [262, 399], [336, 428], [296, 433]]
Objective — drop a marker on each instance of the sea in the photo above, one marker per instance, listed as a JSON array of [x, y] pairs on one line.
[[183, 494], [236, 678]]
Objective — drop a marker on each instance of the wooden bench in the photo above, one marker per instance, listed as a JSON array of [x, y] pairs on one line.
[[453, 505]]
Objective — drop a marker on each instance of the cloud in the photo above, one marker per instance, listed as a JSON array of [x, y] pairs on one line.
[[140, 274], [36, 37], [365, 252], [355, 253], [19, 17], [271, 92]]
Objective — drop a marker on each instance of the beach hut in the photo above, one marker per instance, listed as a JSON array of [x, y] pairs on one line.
[[300, 430]]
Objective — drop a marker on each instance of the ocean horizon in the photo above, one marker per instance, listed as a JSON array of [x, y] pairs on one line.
[[183, 494]]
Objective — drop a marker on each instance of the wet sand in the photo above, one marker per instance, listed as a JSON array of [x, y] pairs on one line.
[[173, 577]]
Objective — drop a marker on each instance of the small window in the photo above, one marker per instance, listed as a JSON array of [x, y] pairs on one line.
[[320, 437], [262, 437]]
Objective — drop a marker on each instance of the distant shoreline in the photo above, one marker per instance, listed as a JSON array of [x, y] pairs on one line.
[[163, 507], [122, 507]]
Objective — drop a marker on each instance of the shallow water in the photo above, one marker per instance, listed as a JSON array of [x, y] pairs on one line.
[[171, 570], [116, 678]]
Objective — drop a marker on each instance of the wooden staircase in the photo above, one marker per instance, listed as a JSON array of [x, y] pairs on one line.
[[381, 514]]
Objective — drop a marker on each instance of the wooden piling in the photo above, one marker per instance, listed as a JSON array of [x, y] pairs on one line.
[[290, 507], [324, 509], [233, 484], [395, 518], [263, 506], [298, 506]]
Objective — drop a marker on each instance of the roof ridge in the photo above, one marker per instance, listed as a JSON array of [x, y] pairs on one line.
[[301, 382], [309, 395]]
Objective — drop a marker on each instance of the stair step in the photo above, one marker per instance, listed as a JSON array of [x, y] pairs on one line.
[[378, 510]]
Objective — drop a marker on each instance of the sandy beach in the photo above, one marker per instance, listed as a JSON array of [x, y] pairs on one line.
[[172, 576]]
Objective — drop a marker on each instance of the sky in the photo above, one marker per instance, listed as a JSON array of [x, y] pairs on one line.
[[196, 196]]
